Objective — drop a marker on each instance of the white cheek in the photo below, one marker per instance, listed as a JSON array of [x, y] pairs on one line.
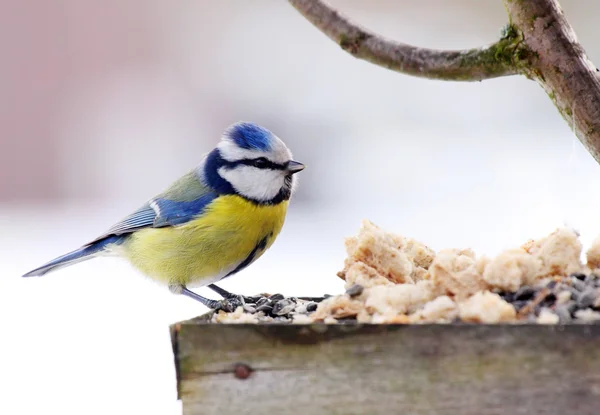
[[258, 184]]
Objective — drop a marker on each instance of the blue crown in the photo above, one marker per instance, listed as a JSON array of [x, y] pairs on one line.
[[250, 136]]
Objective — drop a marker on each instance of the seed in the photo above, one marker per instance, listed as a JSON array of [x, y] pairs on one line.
[[261, 301], [300, 309], [578, 285], [276, 297], [507, 296], [587, 315], [265, 308], [283, 307], [549, 300], [524, 293], [563, 313], [355, 290], [574, 293], [312, 306], [587, 298], [563, 296], [519, 304], [249, 309]]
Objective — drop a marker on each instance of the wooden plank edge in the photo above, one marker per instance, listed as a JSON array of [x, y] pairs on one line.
[[321, 332], [174, 334]]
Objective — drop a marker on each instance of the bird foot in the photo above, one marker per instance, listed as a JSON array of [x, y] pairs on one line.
[[228, 304]]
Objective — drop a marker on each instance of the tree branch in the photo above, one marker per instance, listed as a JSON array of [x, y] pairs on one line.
[[560, 65], [464, 65], [539, 43]]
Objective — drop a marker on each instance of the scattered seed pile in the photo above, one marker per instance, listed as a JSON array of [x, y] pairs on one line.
[[393, 279], [267, 308], [561, 300]]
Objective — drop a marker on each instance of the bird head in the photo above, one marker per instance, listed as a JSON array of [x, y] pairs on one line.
[[252, 162]]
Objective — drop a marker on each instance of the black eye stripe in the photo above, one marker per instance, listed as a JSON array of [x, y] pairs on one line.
[[261, 163]]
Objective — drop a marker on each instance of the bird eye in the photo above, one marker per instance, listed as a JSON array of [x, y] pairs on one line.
[[261, 162]]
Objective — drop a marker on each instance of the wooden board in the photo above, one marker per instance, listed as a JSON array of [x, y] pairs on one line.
[[387, 369]]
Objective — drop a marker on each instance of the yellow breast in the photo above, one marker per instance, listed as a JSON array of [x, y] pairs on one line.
[[207, 248]]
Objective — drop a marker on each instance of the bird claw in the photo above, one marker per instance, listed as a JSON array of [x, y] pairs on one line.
[[228, 305], [242, 299]]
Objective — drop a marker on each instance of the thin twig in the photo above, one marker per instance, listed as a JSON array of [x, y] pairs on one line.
[[462, 65]]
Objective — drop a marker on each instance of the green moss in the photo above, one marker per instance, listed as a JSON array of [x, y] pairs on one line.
[[568, 112], [510, 50], [532, 20], [352, 44], [509, 31]]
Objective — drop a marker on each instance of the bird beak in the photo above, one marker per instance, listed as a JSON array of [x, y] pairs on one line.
[[294, 167]]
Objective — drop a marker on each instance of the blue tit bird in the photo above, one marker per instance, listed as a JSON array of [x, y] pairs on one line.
[[211, 223]]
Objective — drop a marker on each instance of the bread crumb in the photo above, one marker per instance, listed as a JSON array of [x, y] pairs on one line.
[[454, 272], [399, 319], [301, 319], [339, 306], [397, 299], [559, 253], [547, 317], [587, 315], [511, 269], [439, 310], [420, 254], [563, 297], [364, 317], [393, 257], [380, 250], [481, 263], [236, 317], [486, 307], [403, 281], [593, 254], [362, 274]]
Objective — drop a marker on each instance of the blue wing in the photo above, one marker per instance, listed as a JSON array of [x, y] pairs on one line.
[[159, 213], [141, 218], [171, 213], [184, 200]]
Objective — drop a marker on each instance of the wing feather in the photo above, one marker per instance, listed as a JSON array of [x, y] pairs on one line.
[[172, 207], [141, 218]]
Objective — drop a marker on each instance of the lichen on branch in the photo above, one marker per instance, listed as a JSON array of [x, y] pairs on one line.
[[460, 65]]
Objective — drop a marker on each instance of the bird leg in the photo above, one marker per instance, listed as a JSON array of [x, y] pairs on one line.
[[241, 299], [226, 305], [223, 293]]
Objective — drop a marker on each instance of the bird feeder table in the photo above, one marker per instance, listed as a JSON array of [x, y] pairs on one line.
[[386, 369]]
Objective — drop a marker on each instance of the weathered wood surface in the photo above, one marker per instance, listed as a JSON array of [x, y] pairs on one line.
[[387, 369]]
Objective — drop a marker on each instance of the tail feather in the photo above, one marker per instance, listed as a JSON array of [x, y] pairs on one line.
[[79, 255]]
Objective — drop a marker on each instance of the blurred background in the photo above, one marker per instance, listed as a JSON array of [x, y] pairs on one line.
[[105, 103]]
